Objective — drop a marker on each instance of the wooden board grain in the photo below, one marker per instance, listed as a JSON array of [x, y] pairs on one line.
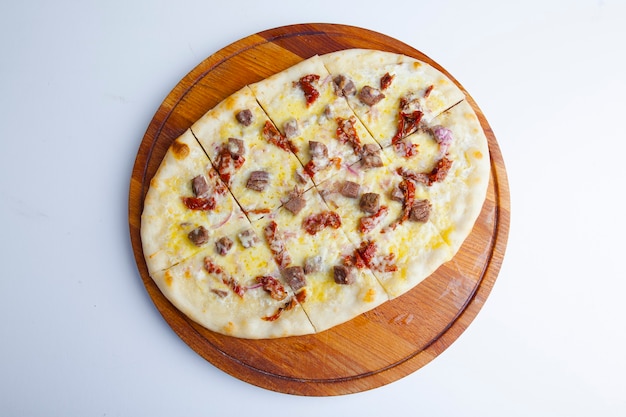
[[378, 347]]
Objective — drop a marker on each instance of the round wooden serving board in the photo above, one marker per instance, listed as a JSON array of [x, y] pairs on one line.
[[378, 347]]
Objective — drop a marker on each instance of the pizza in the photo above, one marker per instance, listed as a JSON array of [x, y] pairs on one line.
[[315, 195]]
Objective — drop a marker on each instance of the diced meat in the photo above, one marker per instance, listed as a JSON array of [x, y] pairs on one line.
[[397, 194], [295, 192], [291, 129], [371, 157], [312, 264], [244, 117], [350, 189], [295, 204], [248, 238], [258, 180], [420, 211], [236, 147], [317, 150], [370, 149], [370, 202], [223, 245], [343, 86], [300, 176], [294, 275], [343, 275], [199, 236], [199, 186], [370, 95]]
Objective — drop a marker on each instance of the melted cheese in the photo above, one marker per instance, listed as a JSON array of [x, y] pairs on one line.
[[410, 76], [284, 101]]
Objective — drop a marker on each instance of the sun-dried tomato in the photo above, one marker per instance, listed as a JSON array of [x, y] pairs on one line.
[[300, 297], [291, 303], [428, 90], [408, 190], [306, 84], [226, 164], [408, 122], [277, 245], [311, 168], [367, 223], [437, 174], [385, 81], [272, 286], [387, 264], [259, 211], [273, 136], [440, 171], [367, 250], [410, 175], [211, 267], [346, 133], [365, 256], [199, 203], [316, 222], [274, 316], [232, 283], [235, 286]]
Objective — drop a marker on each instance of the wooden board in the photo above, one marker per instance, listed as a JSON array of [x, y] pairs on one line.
[[378, 347]]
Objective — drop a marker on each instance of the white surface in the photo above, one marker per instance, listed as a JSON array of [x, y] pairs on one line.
[[79, 84]]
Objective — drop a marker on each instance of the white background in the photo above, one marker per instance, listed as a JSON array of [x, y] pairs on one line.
[[79, 84]]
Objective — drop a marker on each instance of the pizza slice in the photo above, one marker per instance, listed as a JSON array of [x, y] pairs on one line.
[[318, 124], [381, 216], [233, 287], [307, 242], [390, 93], [186, 205], [452, 168], [243, 145]]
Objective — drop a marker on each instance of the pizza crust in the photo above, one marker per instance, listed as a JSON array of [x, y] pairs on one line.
[[165, 221]]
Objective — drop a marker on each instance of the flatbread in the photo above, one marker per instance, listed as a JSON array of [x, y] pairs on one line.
[[306, 199]]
